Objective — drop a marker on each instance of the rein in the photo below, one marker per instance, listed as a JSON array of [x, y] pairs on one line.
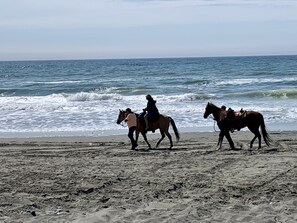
[[123, 124], [214, 123]]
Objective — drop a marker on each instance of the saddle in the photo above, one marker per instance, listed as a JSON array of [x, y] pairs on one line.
[[231, 114], [151, 121], [241, 113], [236, 118]]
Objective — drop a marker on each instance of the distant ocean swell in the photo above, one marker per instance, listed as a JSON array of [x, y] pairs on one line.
[[115, 94], [277, 94], [281, 93], [171, 85]]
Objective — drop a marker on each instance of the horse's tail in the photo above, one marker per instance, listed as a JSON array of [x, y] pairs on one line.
[[174, 129], [265, 134]]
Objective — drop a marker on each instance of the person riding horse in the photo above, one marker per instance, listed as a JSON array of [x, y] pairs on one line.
[[163, 123], [151, 112]]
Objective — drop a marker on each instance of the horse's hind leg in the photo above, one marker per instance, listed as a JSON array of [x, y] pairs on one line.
[[170, 139], [257, 135], [160, 140]]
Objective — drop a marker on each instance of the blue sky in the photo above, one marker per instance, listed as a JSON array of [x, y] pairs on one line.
[[95, 29]]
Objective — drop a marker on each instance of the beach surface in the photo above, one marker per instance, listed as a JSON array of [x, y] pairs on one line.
[[99, 179]]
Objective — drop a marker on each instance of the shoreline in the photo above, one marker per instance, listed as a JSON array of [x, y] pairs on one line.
[[283, 127], [99, 179], [123, 136]]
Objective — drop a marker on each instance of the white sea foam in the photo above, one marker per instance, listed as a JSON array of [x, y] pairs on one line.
[[244, 81], [53, 82], [93, 113], [85, 96]]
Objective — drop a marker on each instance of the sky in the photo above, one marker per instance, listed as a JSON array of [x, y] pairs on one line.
[[107, 29]]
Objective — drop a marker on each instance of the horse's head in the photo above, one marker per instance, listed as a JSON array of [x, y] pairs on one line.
[[208, 110], [121, 116]]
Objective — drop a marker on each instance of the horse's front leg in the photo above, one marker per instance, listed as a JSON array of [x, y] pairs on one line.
[[221, 136], [145, 139], [230, 140], [136, 136]]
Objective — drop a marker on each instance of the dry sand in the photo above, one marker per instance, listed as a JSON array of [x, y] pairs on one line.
[[99, 179]]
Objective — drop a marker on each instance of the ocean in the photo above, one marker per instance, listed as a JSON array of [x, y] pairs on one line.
[[83, 97]]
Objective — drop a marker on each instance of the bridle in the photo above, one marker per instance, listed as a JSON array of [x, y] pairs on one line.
[[122, 123]]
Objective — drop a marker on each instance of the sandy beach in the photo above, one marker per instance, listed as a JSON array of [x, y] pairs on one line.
[[99, 179]]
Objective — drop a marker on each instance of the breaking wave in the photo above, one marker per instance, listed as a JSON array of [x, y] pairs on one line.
[[278, 94]]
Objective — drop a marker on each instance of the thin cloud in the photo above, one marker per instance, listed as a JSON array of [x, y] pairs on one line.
[[218, 2], [145, 28], [130, 13]]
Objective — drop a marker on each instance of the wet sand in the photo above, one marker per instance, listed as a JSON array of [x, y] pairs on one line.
[[99, 179]]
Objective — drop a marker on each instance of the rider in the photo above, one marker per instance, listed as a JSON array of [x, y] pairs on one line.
[[152, 112], [131, 121]]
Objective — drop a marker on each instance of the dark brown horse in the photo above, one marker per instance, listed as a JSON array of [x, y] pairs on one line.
[[229, 120], [163, 124]]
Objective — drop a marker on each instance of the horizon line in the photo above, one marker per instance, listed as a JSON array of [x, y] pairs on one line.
[[148, 58]]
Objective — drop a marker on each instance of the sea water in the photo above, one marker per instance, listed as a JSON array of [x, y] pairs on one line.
[[83, 97]]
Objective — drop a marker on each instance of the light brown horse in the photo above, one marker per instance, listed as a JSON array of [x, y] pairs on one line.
[[251, 119], [163, 124]]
